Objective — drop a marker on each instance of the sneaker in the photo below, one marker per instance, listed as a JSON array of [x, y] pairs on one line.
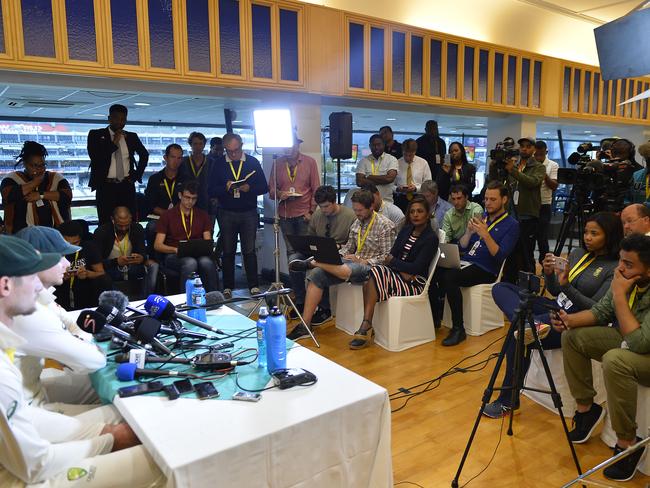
[[496, 410], [542, 332], [320, 317], [298, 332], [255, 290], [227, 293], [300, 264], [624, 469], [585, 423], [293, 313]]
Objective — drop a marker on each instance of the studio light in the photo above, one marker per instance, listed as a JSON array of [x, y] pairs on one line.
[[273, 128]]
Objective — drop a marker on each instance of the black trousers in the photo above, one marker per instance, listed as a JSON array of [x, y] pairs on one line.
[[113, 194], [542, 230], [522, 257]]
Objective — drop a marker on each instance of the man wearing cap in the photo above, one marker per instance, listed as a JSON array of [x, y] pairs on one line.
[[297, 179], [525, 177], [38, 446], [51, 333]]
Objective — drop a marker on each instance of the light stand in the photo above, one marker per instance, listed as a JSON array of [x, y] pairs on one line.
[[271, 131], [523, 316]]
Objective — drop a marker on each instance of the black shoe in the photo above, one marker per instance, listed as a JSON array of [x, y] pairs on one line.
[[298, 332], [320, 317], [300, 264], [456, 336], [293, 313], [585, 423], [624, 469]]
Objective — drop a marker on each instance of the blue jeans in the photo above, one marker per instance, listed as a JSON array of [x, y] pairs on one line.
[[205, 266], [295, 226], [244, 225], [506, 296]]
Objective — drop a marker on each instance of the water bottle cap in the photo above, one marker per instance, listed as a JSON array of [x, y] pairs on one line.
[[264, 312], [275, 311], [197, 281]]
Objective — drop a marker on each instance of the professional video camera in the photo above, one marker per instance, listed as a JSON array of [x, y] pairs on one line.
[[502, 151]]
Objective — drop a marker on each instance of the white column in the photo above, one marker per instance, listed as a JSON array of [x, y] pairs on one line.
[[515, 126]]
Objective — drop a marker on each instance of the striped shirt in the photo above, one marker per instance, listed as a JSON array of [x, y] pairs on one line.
[[407, 247], [378, 242]]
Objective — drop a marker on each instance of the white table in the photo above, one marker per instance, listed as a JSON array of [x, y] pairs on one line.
[[335, 433]]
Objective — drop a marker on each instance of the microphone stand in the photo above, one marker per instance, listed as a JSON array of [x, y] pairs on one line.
[[283, 302]]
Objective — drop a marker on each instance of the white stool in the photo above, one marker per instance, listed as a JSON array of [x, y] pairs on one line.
[[349, 306], [608, 436], [536, 378]]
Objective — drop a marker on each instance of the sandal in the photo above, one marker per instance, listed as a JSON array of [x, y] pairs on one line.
[[362, 338]]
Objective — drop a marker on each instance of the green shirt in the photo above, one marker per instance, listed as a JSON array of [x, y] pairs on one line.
[[639, 339], [454, 223], [525, 188]]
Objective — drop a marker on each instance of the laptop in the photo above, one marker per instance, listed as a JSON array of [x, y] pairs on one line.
[[195, 248], [323, 249], [450, 257]]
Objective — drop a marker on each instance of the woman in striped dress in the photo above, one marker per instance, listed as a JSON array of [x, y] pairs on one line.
[[405, 270]]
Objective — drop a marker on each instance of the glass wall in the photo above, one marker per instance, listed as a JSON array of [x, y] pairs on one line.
[[66, 146]]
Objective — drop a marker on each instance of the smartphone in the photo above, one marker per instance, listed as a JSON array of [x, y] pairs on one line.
[[247, 396], [140, 389], [184, 386], [206, 390], [560, 264], [172, 392], [556, 316]]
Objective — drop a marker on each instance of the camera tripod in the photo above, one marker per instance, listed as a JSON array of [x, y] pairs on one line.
[[523, 317], [282, 301], [576, 210]]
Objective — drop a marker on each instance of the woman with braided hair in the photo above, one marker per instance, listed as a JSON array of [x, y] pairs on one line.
[[34, 196]]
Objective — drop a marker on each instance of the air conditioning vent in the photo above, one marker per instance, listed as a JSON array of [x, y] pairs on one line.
[[35, 103]]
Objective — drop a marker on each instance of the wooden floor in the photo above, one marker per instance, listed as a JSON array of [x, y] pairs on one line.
[[430, 433]]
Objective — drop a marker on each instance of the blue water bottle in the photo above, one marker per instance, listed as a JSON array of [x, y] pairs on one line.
[[189, 284], [261, 337], [276, 342], [198, 299]]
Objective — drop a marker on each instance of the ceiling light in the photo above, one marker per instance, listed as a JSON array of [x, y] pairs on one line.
[[587, 132], [391, 118], [237, 121], [99, 115], [479, 125], [546, 132], [141, 104]]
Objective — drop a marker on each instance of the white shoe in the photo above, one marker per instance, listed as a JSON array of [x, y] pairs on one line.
[[542, 332]]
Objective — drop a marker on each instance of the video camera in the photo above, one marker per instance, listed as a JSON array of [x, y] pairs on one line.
[[502, 151]]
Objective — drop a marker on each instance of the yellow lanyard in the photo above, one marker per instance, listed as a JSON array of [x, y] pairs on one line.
[[361, 241], [647, 186], [292, 177], [10, 352], [577, 269], [122, 245], [74, 265], [196, 173], [232, 169], [633, 297], [170, 192], [457, 173], [497, 221], [188, 234], [372, 164]]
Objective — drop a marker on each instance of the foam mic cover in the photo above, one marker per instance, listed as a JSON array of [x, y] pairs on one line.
[[159, 307], [146, 329], [214, 299], [644, 150], [112, 314], [129, 371], [91, 321], [114, 298]]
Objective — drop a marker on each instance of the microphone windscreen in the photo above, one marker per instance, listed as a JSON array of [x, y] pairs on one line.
[[146, 329], [90, 321], [214, 298], [159, 307], [126, 371], [114, 298]]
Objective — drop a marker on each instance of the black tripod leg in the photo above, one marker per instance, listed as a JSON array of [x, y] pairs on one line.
[[517, 380], [487, 394], [557, 399]]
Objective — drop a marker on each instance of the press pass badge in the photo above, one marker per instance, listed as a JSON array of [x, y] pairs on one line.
[[515, 197], [39, 203], [137, 356], [474, 248], [236, 193]]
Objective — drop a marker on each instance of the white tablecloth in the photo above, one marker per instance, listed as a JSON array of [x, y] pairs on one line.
[[335, 433]]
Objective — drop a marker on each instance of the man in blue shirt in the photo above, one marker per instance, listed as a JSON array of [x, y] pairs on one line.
[[487, 243], [237, 179], [439, 207]]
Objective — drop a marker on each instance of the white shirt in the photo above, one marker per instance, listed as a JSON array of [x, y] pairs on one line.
[[419, 170], [25, 454], [124, 149], [551, 171], [51, 333], [383, 165]]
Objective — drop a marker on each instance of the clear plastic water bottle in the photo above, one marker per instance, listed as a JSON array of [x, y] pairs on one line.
[[276, 341], [261, 337], [189, 284], [198, 299]]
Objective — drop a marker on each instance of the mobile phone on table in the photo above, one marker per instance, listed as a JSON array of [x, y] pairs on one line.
[[184, 386], [206, 390], [247, 396], [140, 389]]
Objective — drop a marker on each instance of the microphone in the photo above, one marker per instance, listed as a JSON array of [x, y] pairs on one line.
[[124, 358], [129, 371], [118, 300], [162, 309], [215, 299], [146, 330], [94, 322]]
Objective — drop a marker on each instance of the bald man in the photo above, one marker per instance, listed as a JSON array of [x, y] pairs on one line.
[[636, 219]]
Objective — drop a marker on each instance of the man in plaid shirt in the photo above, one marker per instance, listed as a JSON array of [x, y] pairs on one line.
[[369, 243]]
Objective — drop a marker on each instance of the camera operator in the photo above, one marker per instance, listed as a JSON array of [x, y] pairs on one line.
[[524, 179], [619, 171], [642, 177]]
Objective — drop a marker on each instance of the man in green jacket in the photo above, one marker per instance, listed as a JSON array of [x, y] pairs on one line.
[[623, 349]]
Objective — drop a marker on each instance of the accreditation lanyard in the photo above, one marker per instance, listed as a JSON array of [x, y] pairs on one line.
[[580, 266], [361, 241], [477, 244], [497, 221], [74, 265], [170, 191], [292, 176], [187, 233], [238, 173], [196, 173], [372, 164], [647, 185], [122, 245], [457, 173]]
